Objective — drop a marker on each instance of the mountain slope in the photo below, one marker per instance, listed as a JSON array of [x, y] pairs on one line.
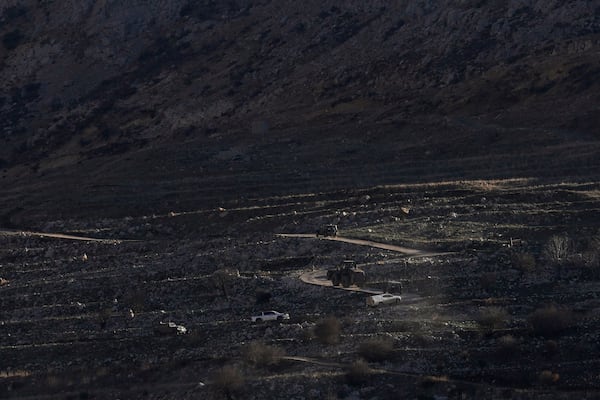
[[163, 104]]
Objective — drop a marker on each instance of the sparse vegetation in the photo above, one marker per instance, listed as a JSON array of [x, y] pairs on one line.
[[262, 355], [327, 331], [358, 373], [547, 377], [550, 320], [223, 279], [524, 262], [437, 330], [508, 346], [199, 137], [228, 379], [591, 257], [492, 317], [557, 249], [380, 349]]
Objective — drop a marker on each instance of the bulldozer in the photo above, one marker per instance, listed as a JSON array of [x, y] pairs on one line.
[[327, 230], [347, 274]]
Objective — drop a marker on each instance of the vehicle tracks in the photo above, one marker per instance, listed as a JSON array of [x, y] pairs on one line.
[[319, 277]]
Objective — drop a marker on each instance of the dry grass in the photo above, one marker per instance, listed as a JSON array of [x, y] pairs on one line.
[[591, 194], [327, 331], [484, 185], [478, 184], [229, 379], [15, 374], [262, 355]]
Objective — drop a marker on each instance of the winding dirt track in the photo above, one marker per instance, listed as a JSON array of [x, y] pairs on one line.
[[319, 277], [361, 242]]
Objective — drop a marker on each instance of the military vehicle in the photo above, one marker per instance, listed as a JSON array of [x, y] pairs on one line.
[[327, 230], [347, 274]]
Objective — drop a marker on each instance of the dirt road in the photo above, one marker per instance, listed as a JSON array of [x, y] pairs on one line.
[[319, 277], [361, 242], [59, 236]]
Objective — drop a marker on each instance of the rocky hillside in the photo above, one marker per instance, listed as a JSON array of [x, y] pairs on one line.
[[124, 94]]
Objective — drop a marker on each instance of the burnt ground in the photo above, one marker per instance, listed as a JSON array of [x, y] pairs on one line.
[[81, 319], [189, 134]]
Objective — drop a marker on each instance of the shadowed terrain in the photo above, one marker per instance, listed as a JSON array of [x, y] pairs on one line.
[[163, 105], [165, 164]]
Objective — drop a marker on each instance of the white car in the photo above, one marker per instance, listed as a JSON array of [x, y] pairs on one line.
[[270, 316], [384, 298]]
